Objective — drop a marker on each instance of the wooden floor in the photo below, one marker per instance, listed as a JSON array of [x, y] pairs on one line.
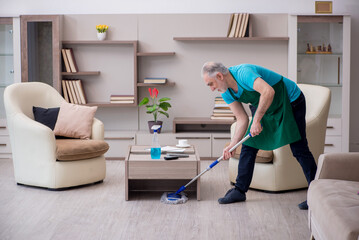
[[101, 212]]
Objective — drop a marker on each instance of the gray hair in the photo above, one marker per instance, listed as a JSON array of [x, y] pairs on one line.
[[212, 68]]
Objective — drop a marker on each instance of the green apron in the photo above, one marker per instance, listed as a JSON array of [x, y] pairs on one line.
[[279, 125]]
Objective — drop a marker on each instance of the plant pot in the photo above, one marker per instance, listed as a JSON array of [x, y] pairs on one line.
[[151, 123], [101, 36]]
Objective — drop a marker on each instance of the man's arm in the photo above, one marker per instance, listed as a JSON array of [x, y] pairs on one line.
[[241, 127], [265, 100]]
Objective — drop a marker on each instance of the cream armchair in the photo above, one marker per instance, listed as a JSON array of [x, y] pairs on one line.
[[285, 173], [34, 144]]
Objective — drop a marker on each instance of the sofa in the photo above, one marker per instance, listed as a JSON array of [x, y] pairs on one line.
[[333, 198]]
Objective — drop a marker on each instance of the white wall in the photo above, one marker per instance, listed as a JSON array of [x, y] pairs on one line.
[[351, 7]]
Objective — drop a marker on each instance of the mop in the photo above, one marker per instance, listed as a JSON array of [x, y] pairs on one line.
[[179, 196]]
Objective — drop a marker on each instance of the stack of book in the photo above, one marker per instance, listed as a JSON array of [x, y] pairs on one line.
[[221, 110], [69, 60], [155, 80], [73, 91], [238, 25], [122, 99]]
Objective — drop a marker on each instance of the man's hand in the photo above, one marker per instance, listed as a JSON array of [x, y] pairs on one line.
[[226, 154], [256, 128]]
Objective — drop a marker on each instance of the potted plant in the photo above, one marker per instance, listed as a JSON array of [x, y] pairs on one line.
[[101, 31], [155, 107]]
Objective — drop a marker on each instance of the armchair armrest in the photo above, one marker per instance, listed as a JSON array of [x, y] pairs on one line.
[[31, 139], [98, 132], [341, 166]]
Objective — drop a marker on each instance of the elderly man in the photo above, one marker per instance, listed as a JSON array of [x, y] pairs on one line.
[[278, 110]]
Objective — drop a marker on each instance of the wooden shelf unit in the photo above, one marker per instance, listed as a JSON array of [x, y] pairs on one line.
[[153, 54], [90, 42], [108, 104], [231, 39], [95, 73], [201, 124], [167, 84]]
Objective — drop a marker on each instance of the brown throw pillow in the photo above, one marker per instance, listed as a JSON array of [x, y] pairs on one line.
[[75, 121], [262, 155]]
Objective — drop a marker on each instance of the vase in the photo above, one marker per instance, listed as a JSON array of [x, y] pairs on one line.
[[151, 123], [101, 36]]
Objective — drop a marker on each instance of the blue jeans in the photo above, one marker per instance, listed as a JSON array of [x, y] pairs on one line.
[[299, 149]]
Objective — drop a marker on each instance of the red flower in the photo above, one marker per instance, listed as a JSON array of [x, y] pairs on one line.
[[155, 92], [150, 90]]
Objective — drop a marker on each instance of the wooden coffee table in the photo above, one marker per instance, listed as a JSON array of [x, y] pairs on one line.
[[145, 174]]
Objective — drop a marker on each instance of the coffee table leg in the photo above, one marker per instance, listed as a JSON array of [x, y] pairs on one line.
[[126, 180]]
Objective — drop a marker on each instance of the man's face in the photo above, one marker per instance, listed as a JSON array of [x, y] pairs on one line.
[[215, 83]]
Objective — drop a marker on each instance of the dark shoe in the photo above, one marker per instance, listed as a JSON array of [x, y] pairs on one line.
[[233, 195], [303, 205], [230, 190]]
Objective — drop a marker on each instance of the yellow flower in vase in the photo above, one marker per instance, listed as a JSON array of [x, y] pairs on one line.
[[101, 31]]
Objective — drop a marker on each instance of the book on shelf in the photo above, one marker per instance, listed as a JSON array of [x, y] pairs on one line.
[[76, 91], [229, 114], [122, 97], [155, 80], [73, 97], [122, 102], [71, 59], [245, 26], [226, 110], [69, 93], [73, 91], [234, 25], [239, 24], [222, 118], [64, 91], [230, 24], [221, 110], [81, 91], [66, 61], [220, 101], [221, 105]]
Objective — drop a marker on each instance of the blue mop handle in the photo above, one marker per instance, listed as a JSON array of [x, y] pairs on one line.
[[213, 164]]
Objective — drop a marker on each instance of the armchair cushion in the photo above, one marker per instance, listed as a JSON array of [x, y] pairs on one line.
[[46, 116], [75, 121], [262, 155], [78, 149]]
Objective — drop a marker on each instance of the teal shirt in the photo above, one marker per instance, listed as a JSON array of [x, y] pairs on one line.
[[245, 74]]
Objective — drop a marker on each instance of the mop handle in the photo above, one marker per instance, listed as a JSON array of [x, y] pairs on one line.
[[215, 162]]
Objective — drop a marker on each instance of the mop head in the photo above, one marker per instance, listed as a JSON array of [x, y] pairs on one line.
[[174, 198]]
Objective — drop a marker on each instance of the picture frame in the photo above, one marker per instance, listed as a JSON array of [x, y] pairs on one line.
[[323, 6]]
